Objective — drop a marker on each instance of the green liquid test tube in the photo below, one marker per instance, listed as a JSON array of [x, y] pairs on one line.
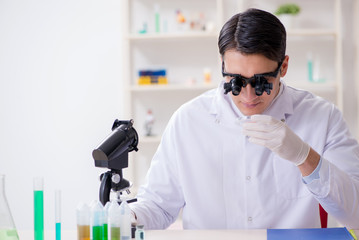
[[105, 221], [58, 214], [38, 208], [97, 233], [58, 231], [97, 221], [105, 231], [115, 233]]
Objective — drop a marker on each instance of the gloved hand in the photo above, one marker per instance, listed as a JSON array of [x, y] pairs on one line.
[[277, 136]]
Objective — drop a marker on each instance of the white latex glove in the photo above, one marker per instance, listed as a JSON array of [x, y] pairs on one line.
[[277, 136]]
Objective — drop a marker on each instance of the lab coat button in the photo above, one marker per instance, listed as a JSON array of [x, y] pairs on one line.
[[249, 219], [218, 121], [248, 178]]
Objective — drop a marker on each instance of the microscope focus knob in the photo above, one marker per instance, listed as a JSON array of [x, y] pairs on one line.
[[116, 178]]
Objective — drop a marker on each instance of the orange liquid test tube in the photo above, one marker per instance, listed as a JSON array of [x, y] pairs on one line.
[[83, 222]]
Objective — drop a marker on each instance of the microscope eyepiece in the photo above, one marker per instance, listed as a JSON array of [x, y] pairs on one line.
[[113, 151]]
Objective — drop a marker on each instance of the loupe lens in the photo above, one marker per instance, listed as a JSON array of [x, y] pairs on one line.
[[235, 89], [259, 90]]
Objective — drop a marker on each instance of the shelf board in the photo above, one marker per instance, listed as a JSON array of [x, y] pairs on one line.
[[189, 35], [312, 32], [172, 87]]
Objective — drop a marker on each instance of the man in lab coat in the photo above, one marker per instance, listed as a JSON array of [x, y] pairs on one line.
[[254, 153]]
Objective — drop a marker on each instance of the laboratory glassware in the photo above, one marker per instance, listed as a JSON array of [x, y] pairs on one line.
[[125, 221], [83, 221], [140, 233], [114, 218], [58, 214], [105, 220], [7, 226], [97, 221], [38, 208]]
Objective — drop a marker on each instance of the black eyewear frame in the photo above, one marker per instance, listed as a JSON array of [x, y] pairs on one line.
[[259, 81]]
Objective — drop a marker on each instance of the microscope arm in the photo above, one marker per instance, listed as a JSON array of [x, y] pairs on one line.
[[105, 187]]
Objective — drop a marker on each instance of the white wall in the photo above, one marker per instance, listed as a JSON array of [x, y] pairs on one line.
[[60, 90]]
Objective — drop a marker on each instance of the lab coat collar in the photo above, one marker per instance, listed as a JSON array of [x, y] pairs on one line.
[[280, 108]]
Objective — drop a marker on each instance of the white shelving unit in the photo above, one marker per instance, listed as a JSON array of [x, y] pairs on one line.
[[184, 54]]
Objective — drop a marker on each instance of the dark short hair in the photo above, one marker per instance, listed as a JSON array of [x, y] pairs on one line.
[[254, 32]]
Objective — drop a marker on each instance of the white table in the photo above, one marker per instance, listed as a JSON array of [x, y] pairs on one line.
[[255, 234], [258, 234]]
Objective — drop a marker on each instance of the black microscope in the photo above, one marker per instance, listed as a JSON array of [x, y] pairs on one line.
[[112, 153]]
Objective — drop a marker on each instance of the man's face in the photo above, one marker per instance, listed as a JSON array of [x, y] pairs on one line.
[[248, 65]]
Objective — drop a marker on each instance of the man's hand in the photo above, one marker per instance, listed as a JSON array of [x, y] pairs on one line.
[[277, 136]]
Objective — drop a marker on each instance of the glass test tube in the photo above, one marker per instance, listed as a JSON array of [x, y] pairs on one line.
[[97, 221], [125, 221], [38, 208], [83, 222], [105, 220], [114, 218], [140, 233], [58, 214]]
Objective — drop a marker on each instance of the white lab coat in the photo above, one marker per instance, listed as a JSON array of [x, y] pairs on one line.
[[207, 167]]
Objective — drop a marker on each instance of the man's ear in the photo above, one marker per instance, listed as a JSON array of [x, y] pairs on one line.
[[284, 68]]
